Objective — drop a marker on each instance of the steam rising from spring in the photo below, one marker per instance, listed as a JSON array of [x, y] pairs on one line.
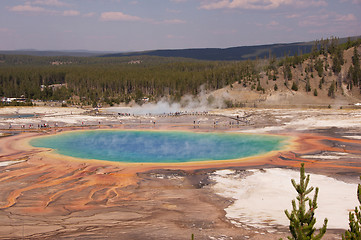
[[188, 103]]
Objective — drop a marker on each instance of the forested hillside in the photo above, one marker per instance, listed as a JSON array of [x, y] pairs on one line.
[[329, 76], [90, 80]]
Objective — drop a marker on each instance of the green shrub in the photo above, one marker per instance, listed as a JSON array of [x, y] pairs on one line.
[[302, 221]]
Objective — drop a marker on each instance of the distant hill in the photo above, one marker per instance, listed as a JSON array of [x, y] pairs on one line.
[[50, 53], [209, 54], [226, 54], [232, 53]]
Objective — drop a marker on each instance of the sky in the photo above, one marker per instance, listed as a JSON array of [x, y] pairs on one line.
[[135, 25]]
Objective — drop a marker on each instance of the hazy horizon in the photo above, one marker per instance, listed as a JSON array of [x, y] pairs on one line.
[[129, 25]]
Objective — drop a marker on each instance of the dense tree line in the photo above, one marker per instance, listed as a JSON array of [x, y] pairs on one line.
[[120, 81], [11, 60]]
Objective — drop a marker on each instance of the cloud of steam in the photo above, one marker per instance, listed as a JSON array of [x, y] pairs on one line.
[[188, 103]]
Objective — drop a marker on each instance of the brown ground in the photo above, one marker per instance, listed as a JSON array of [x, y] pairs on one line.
[[46, 197]]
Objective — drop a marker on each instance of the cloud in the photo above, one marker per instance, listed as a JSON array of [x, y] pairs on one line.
[[293, 16], [310, 3], [337, 29], [102, 37], [257, 4], [170, 36], [166, 21], [173, 21], [71, 13], [346, 18], [56, 3], [353, 1], [273, 23], [316, 20], [4, 30], [224, 32], [324, 19], [119, 16], [90, 14], [242, 4], [173, 10], [29, 8]]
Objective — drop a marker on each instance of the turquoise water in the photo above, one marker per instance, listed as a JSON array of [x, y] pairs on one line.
[[18, 116], [158, 147]]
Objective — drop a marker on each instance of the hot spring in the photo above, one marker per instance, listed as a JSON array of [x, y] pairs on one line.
[[158, 146], [17, 115]]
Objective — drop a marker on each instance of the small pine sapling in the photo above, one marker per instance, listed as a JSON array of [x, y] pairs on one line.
[[302, 221], [354, 233]]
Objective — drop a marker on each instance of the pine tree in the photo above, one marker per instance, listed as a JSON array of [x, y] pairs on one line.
[[302, 221], [331, 90], [319, 67], [287, 73], [337, 59], [315, 93], [259, 87], [308, 86], [354, 72], [275, 87], [354, 233]]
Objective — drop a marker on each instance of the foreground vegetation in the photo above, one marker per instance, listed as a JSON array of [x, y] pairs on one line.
[[302, 217], [354, 232], [302, 220]]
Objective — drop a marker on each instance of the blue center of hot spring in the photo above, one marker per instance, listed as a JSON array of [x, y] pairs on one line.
[[158, 147]]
